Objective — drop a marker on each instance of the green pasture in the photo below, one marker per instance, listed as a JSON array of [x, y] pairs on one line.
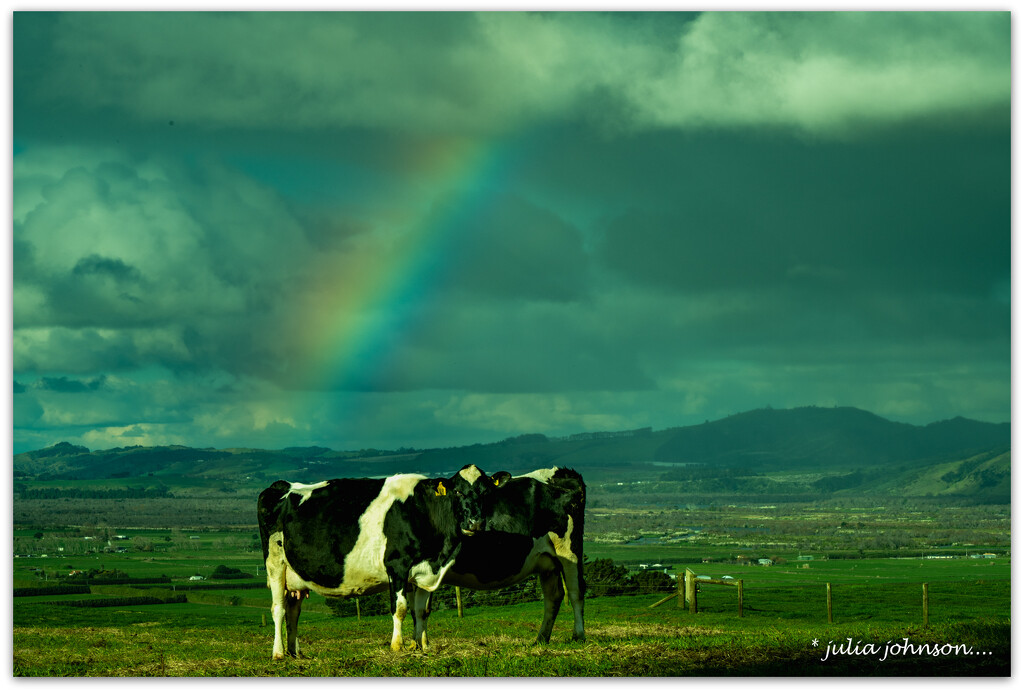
[[875, 599], [625, 638]]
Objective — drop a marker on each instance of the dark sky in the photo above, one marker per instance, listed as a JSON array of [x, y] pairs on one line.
[[381, 230]]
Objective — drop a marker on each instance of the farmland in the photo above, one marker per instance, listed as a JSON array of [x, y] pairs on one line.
[[140, 544], [223, 630]]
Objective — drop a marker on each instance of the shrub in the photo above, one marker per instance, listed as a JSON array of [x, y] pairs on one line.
[[605, 578], [118, 601], [225, 572], [50, 590]]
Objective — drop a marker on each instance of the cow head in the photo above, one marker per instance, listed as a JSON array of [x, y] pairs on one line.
[[467, 492]]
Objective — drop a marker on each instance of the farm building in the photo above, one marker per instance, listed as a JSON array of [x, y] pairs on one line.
[[656, 567]]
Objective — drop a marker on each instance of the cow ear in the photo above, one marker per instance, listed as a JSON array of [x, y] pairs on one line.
[[501, 477], [440, 489]]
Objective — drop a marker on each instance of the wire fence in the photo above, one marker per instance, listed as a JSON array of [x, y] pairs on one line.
[[889, 601], [446, 597], [847, 602]]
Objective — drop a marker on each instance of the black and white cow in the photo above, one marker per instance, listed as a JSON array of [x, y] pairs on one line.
[[354, 536], [534, 526]]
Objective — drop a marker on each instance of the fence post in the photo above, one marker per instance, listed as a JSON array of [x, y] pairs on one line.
[[739, 595], [691, 590], [358, 615], [681, 590], [828, 601], [458, 599], [924, 602]]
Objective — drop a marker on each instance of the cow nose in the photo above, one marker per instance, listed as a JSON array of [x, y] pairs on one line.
[[472, 527]]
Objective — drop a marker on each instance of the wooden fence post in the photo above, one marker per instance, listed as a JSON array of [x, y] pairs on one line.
[[358, 615], [458, 599], [739, 595], [924, 602], [681, 589], [828, 601], [691, 590]]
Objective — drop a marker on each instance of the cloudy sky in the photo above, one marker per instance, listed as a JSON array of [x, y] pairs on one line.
[[382, 230]]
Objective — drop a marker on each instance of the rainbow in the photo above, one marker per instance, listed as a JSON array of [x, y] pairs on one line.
[[358, 311]]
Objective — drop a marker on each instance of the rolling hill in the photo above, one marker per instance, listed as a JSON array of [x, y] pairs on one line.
[[847, 450]]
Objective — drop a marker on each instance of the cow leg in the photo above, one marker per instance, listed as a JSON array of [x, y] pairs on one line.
[[276, 576], [420, 612], [398, 609], [277, 610], [574, 586], [551, 583], [293, 607]]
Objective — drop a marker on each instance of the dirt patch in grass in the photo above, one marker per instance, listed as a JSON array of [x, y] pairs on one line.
[[624, 631]]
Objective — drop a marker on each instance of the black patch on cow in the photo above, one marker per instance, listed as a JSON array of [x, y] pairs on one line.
[[423, 524], [493, 556], [322, 530], [516, 513]]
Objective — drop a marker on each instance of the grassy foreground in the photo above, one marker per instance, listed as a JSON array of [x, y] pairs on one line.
[[625, 638]]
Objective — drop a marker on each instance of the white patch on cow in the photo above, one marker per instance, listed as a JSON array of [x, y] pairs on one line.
[[424, 577], [563, 547], [471, 474], [364, 565], [305, 489], [542, 475]]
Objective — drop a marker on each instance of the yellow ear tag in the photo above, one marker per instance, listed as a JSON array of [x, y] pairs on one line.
[[440, 490], [497, 481]]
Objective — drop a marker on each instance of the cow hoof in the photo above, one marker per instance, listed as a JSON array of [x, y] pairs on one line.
[[579, 638], [278, 657]]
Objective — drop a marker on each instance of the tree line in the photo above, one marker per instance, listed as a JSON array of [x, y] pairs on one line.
[[25, 493]]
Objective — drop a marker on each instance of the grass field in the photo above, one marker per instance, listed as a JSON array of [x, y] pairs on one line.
[[874, 602], [625, 638]]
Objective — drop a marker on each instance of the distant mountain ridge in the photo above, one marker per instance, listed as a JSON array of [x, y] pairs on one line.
[[816, 437], [831, 440]]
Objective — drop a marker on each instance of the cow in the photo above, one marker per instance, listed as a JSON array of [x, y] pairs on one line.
[[354, 536], [534, 526]]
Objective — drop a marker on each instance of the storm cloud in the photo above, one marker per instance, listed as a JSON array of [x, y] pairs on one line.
[[484, 73], [397, 229]]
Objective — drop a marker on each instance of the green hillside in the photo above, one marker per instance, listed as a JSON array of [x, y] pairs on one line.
[[797, 452], [986, 474]]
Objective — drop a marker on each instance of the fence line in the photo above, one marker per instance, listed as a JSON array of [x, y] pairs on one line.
[[843, 600], [784, 598], [899, 599]]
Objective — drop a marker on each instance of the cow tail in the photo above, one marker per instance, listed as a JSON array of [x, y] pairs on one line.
[[570, 479], [576, 541]]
